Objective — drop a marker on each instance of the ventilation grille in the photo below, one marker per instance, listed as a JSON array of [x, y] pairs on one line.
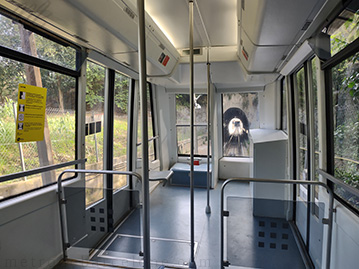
[[185, 52], [306, 25], [130, 12]]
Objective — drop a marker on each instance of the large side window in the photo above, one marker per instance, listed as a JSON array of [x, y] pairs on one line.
[[343, 70], [240, 114], [302, 127], [183, 124], [302, 119], [315, 135], [59, 144], [346, 125]]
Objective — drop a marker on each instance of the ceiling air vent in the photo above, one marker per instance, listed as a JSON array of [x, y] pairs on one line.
[[306, 25], [130, 12], [162, 46], [185, 52]]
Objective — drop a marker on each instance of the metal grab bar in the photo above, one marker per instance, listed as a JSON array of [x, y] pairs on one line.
[[348, 188], [61, 199], [281, 181], [149, 140], [39, 170]]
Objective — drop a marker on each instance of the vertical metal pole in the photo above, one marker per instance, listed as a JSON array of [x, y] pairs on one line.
[[192, 262], [208, 207], [143, 96]]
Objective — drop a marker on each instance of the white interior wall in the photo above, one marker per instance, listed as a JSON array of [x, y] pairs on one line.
[[269, 106], [164, 107], [30, 231], [345, 240]]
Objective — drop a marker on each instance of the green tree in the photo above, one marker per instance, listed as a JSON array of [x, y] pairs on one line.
[[95, 86], [121, 96]]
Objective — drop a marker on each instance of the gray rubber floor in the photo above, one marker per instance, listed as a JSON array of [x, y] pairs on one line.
[[170, 233], [260, 241]]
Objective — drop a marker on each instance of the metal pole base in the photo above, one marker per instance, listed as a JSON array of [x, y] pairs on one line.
[[192, 265], [208, 209]]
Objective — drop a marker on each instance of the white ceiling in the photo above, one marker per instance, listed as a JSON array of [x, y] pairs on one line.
[[269, 31], [210, 18]]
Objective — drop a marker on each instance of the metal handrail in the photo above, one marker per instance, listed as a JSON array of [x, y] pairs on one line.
[[149, 140], [61, 199], [348, 188], [39, 170], [281, 181]]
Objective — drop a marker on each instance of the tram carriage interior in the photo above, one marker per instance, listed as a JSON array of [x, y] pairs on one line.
[[179, 134]]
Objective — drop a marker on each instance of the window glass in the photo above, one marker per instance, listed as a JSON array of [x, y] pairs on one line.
[[316, 123], [316, 134], [120, 129], [94, 130], [14, 36], [343, 30], [240, 114], [151, 142], [58, 145], [346, 125], [302, 117], [284, 106], [183, 120]]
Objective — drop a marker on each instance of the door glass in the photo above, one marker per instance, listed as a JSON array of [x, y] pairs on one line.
[[120, 129], [94, 130], [303, 160]]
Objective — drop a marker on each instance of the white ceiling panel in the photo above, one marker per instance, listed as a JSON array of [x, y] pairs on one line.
[[276, 22], [217, 16], [172, 18], [211, 16]]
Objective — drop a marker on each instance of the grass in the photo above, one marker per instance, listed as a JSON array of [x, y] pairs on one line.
[[62, 134]]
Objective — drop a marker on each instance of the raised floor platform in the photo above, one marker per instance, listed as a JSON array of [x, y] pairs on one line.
[[181, 175]]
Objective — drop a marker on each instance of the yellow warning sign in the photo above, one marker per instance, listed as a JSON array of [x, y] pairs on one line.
[[31, 106]]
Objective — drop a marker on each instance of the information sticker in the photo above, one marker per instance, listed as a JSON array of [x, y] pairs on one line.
[[31, 107]]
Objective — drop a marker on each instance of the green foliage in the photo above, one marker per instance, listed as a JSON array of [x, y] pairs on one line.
[[7, 109], [346, 133], [62, 133], [95, 82], [121, 93], [53, 52], [349, 177], [345, 34], [182, 100]]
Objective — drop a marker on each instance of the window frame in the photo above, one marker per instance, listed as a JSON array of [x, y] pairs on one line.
[[43, 64], [283, 86], [189, 125], [154, 136], [327, 67], [153, 122]]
